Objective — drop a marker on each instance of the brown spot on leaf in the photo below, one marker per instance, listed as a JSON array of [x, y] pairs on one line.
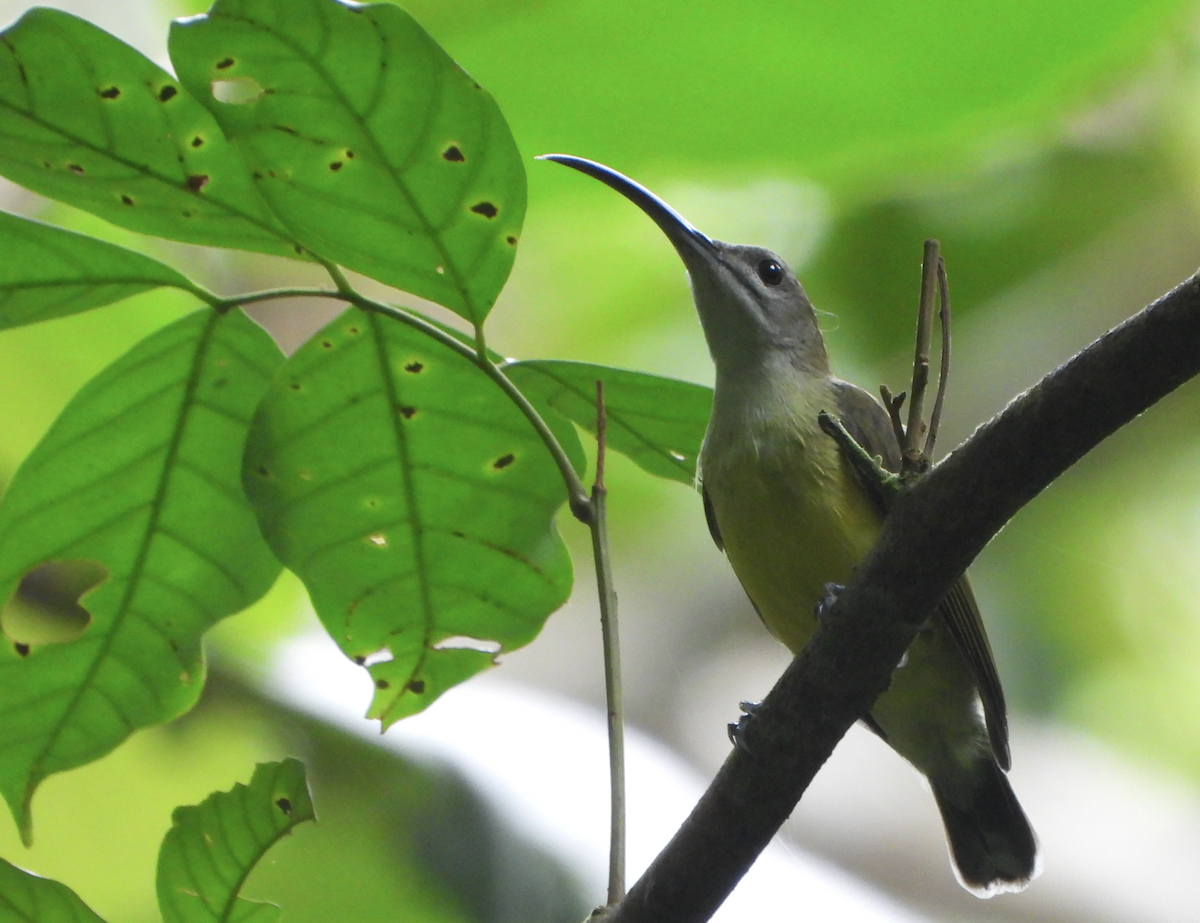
[[224, 63], [187, 214], [487, 209], [21, 648], [197, 141], [285, 806], [504, 461], [360, 660], [407, 412], [352, 330], [382, 684], [457, 534], [76, 169], [110, 92], [335, 166], [166, 93], [414, 367], [264, 471], [287, 129], [295, 386], [197, 181], [126, 200], [416, 685], [349, 155], [454, 154], [512, 241], [326, 344], [257, 175]]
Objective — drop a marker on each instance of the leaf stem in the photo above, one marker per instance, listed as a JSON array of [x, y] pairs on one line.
[[612, 663]]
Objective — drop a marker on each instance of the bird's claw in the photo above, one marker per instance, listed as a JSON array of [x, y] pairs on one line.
[[737, 732], [825, 603]]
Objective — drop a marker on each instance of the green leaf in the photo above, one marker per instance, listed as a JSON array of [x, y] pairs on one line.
[[415, 502], [212, 847], [89, 121], [657, 422], [140, 475], [369, 142], [28, 898], [48, 272]]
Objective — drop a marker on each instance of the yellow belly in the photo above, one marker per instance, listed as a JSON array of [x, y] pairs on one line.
[[790, 523]]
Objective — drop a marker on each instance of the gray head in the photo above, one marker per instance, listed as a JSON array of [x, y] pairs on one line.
[[751, 305]]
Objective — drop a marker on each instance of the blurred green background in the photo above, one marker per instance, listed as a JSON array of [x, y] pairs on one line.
[[1053, 148]]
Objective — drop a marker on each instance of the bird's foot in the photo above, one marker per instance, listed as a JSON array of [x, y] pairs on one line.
[[737, 732], [832, 591]]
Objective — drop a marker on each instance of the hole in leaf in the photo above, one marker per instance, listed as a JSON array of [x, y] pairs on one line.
[[504, 461], [454, 154], [46, 607], [304, 474], [236, 91], [378, 539], [678, 456], [440, 270], [197, 181], [110, 92], [166, 93], [465, 643], [416, 685], [76, 169], [383, 655], [285, 806], [487, 209]]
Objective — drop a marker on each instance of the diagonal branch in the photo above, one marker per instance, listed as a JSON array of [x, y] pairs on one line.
[[933, 532]]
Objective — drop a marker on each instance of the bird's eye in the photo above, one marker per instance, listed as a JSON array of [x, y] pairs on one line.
[[770, 272]]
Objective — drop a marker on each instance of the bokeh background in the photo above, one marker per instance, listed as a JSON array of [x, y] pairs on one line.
[[1052, 147]]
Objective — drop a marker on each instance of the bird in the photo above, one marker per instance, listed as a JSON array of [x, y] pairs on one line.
[[792, 517]]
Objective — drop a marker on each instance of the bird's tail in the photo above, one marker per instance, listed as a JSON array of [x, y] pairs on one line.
[[993, 847]]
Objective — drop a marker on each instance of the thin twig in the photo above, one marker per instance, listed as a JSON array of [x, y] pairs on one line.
[[920, 376], [935, 418], [893, 403], [612, 664]]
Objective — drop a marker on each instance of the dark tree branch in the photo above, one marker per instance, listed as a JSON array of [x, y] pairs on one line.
[[932, 533]]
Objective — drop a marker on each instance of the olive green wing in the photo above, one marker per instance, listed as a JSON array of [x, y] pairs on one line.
[[866, 420]]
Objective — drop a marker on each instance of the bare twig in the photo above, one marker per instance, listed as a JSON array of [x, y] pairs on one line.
[[935, 418], [612, 663], [920, 376]]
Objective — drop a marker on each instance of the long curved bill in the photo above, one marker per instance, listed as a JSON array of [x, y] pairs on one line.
[[686, 239]]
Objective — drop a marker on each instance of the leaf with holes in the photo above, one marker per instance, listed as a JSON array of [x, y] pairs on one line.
[[28, 898], [48, 272], [369, 142], [89, 121], [141, 474], [415, 502], [657, 422], [212, 847]]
